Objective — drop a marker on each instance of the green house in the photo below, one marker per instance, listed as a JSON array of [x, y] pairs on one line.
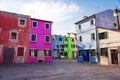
[[70, 49]]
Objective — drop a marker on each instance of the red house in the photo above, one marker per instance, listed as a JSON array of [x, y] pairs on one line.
[[14, 37]]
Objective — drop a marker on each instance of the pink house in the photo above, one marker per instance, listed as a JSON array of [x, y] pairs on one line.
[[40, 41]]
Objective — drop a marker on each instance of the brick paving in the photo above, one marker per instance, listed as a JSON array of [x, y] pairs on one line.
[[59, 70]]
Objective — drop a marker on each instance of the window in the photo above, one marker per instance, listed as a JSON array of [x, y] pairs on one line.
[[60, 39], [57, 46], [65, 39], [93, 36], [22, 22], [65, 53], [79, 27], [91, 22], [33, 52], [47, 39], [93, 52], [47, 53], [33, 38], [72, 46], [80, 38], [65, 45], [13, 35], [73, 39], [103, 35], [34, 24], [20, 51], [104, 52], [61, 46], [47, 26], [62, 50]]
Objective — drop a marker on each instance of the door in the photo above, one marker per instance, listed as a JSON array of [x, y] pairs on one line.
[[8, 55], [40, 56], [74, 55], [86, 55], [20, 55], [114, 56]]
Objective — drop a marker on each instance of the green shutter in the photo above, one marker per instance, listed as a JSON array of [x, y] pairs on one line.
[[93, 36], [80, 38]]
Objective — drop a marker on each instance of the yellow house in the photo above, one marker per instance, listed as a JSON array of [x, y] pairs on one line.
[[109, 46]]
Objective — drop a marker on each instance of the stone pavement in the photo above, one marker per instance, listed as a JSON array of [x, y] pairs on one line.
[[59, 70]]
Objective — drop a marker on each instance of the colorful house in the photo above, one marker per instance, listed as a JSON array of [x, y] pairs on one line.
[[109, 46], [40, 45], [87, 34], [58, 46], [70, 49], [14, 37]]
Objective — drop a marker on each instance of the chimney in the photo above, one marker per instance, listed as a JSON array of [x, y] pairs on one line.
[[84, 17]]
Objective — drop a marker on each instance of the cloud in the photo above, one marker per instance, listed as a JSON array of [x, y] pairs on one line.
[[42, 9]]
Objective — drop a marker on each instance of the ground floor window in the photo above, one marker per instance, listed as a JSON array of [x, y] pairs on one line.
[[33, 52], [93, 53], [47, 53], [65, 53], [104, 52]]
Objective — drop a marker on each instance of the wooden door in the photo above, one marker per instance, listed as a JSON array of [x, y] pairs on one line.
[[8, 55], [20, 55], [114, 56], [40, 56]]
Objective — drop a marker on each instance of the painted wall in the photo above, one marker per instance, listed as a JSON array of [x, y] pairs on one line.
[[41, 32], [112, 42], [9, 22], [56, 42]]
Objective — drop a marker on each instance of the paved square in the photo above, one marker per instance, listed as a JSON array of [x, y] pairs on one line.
[[59, 70]]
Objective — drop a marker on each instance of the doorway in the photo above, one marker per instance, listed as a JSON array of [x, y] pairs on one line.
[[8, 55], [114, 56]]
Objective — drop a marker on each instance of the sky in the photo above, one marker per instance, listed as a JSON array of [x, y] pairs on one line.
[[63, 13]]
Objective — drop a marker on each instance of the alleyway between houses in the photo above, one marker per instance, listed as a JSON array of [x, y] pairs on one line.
[[59, 70]]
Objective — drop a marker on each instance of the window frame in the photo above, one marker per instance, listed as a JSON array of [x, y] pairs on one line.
[[80, 38], [31, 38], [45, 26], [13, 40], [36, 24], [103, 35], [20, 25], [91, 22], [92, 36], [49, 38]]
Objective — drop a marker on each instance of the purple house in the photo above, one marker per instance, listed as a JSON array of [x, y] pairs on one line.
[[40, 41]]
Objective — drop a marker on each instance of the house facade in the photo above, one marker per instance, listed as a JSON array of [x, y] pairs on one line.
[[70, 48], [87, 34], [58, 46], [109, 46], [40, 45], [14, 37]]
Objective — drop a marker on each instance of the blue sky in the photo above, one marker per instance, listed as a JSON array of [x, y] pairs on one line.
[[64, 13]]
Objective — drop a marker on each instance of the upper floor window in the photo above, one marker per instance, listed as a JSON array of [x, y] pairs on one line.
[[60, 39], [79, 26], [47, 39], [103, 35], [34, 24], [47, 26], [13, 36], [91, 22], [72, 39], [22, 22], [65, 45], [33, 37], [93, 36], [80, 38]]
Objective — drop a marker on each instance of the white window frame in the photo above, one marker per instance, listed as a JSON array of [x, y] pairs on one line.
[[45, 26], [14, 40], [45, 39], [36, 24], [31, 37], [20, 24]]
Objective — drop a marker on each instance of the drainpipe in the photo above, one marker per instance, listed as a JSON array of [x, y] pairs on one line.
[[97, 45]]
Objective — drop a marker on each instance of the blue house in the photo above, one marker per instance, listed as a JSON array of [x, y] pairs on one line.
[[87, 34], [58, 46]]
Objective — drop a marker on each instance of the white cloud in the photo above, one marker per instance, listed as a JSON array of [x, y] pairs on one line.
[[48, 10]]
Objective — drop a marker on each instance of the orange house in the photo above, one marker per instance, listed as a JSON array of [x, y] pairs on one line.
[[14, 37]]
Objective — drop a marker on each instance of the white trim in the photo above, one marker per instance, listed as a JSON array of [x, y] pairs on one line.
[[13, 40], [36, 24], [49, 26], [45, 39], [20, 24], [31, 37]]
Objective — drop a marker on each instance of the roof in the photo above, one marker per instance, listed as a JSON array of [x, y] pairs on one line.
[[86, 18], [116, 30], [14, 14], [41, 20]]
